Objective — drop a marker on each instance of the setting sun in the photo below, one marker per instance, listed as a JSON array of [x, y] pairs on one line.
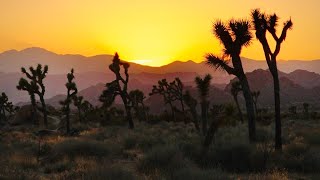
[[160, 32]]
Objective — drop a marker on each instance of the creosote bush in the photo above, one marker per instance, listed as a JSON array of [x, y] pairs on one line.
[[163, 159]]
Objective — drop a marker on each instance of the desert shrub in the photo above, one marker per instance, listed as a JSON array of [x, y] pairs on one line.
[[307, 162], [236, 157], [74, 147], [146, 142], [58, 167], [107, 173], [270, 175], [233, 157], [296, 149], [264, 134], [312, 138], [130, 142], [23, 161], [198, 174], [163, 159]]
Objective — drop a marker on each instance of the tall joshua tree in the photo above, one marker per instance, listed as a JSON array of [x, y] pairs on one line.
[[71, 93], [137, 98], [203, 86], [235, 89], [163, 89], [120, 86], [35, 86], [264, 23], [235, 35]]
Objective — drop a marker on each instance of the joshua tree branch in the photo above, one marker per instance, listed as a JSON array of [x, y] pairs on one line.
[[218, 63]]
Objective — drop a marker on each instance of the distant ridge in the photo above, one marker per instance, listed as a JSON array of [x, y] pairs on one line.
[[13, 60]]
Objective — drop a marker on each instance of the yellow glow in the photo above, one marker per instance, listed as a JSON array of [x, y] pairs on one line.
[[159, 31]]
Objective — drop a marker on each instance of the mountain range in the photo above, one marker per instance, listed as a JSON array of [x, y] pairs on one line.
[[300, 80]]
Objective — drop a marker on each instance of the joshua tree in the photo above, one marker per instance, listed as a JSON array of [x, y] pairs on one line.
[[235, 89], [35, 86], [163, 89], [192, 104], [119, 87], [235, 35], [255, 96], [82, 105], [137, 98], [71, 93], [78, 102], [5, 106], [203, 86], [214, 126], [267, 23], [176, 88]]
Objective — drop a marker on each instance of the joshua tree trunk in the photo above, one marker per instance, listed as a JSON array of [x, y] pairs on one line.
[[172, 111], [129, 117], [44, 111], [68, 118], [250, 108], [128, 111], [210, 135], [79, 114], [239, 109], [278, 138], [144, 112], [195, 119], [204, 114]]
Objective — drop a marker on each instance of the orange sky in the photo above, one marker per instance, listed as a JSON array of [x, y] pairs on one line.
[[149, 32]]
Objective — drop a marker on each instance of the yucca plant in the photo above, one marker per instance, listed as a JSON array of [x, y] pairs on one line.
[[234, 35], [119, 87], [137, 97], [192, 104], [71, 93], [235, 89], [203, 86], [35, 87], [5, 106], [163, 89], [263, 24]]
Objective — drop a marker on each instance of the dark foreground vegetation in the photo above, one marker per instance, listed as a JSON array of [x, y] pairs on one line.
[[193, 139], [161, 150]]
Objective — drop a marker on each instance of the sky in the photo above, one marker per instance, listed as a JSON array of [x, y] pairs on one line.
[[149, 32]]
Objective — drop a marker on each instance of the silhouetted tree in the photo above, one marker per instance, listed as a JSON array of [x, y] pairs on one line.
[[235, 89], [176, 88], [203, 86], [83, 106], [255, 96], [267, 23], [119, 87], [192, 104], [234, 36], [78, 103], [71, 93], [137, 98], [163, 89], [35, 86], [214, 126], [5, 106]]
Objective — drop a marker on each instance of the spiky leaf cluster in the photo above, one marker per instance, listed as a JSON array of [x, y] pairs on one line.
[[5, 106]]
